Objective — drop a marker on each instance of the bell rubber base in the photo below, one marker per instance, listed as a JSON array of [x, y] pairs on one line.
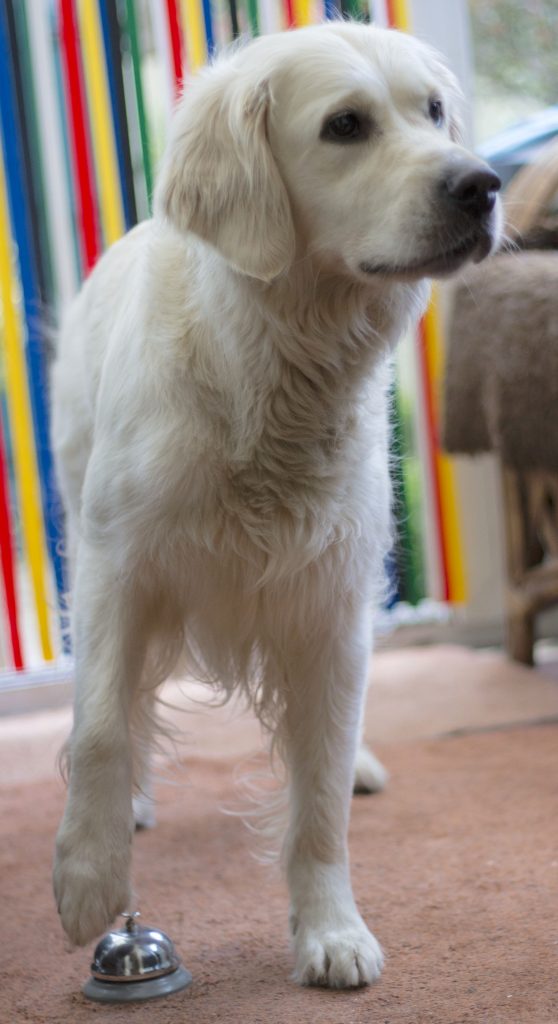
[[132, 991]]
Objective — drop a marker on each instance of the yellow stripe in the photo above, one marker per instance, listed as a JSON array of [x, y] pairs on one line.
[[402, 16], [193, 27], [445, 469], [102, 131], [19, 408], [457, 577], [302, 10]]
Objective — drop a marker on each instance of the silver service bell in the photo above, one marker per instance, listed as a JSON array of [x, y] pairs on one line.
[[135, 963]]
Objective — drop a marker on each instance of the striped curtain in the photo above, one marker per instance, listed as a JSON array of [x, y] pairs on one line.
[[87, 88]]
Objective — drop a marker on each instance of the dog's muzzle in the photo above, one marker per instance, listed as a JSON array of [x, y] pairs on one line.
[[470, 187]]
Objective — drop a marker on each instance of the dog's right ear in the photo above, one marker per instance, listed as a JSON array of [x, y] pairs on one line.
[[219, 178]]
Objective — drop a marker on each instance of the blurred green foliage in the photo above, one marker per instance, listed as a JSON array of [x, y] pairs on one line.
[[516, 45]]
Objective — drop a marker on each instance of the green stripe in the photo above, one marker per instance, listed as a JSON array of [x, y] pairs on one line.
[[253, 16], [358, 9], [142, 119], [407, 498], [45, 255]]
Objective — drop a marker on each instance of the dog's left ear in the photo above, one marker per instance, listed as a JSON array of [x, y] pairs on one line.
[[219, 178]]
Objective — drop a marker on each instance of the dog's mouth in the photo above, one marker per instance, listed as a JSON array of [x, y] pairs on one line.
[[475, 246]]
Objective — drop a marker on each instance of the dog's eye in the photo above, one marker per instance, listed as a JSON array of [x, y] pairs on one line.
[[345, 127], [436, 112]]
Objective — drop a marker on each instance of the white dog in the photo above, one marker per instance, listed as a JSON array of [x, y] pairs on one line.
[[220, 430]]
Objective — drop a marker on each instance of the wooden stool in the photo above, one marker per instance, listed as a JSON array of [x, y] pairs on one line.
[[530, 499], [531, 521]]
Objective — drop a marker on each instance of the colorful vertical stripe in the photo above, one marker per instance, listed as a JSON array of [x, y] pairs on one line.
[[431, 453], [399, 15], [102, 126], [302, 11], [444, 478], [79, 128], [163, 50], [175, 40], [198, 47], [133, 35], [234, 24], [22, 429], [23, 78], [87, 88], [7, 551], [446, 540], [331, 10], [113, 41], [20, 199], [58, 202]]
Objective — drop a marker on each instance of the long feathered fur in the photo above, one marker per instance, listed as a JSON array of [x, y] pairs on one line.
[[220, 427]]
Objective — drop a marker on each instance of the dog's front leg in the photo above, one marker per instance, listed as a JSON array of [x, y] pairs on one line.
[[93, 847], [332, 944]]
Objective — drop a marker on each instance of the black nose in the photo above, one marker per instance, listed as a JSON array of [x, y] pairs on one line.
[[472, 187]]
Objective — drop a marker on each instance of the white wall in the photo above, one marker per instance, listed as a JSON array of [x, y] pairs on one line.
[[445, 24]]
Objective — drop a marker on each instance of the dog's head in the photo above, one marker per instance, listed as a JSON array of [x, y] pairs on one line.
[[338, 143]]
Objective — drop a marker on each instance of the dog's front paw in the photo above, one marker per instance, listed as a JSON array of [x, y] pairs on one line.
[[338, 956], [91, 883]]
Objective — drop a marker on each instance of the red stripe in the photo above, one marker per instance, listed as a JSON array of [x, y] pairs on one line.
[[7, 558], [176, 43], [84, 185], [432, 449], [289, 12], [390, 13]]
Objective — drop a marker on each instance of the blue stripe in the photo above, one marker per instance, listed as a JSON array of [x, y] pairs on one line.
[[332, 9], [120, 128], [208, 27], [35, 348], [391, 570]]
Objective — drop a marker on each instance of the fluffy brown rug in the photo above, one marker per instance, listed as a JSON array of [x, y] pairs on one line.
[[455, 867]]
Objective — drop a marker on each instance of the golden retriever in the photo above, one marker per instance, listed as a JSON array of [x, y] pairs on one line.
[[220, 428]]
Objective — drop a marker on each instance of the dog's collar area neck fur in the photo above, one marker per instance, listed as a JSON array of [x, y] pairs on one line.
[[306, 296]]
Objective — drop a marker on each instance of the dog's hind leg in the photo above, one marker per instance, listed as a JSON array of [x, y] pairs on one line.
[[370, 774], [143, 799], [152, 733], [147, 727], [93, 847]]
